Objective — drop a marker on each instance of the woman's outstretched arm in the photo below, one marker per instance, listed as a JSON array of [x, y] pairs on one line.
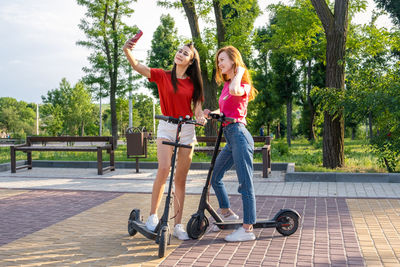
[[136, 65]]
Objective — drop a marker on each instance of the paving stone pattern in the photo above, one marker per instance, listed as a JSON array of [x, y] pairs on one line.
[[73, 217], [325, 237], [23, 214]]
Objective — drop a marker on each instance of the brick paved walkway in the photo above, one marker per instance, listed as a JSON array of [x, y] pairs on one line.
[[70, 227], [326, 236]]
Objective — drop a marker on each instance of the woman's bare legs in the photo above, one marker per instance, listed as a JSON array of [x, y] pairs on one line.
[[182, 169], [164, 153], [184, 159]]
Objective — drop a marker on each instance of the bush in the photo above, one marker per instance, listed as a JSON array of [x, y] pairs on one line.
[[281, 148]]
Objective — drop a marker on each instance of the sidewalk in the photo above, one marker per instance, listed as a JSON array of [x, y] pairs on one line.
[[66, 217]]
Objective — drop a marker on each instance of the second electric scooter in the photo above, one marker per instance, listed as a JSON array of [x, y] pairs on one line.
[[285, 221], [161, 233]]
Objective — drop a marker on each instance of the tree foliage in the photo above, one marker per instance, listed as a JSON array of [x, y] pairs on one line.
[[164, 45], [373, 88], [106, 33], [68, 110], [225, 22], [17, 118], [392, 7]]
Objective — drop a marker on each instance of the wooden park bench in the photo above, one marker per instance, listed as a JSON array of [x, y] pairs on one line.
[[66, 143], [10, 141], [265, 149]]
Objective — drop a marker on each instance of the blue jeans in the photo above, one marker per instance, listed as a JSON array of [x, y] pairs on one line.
[[239, 150]]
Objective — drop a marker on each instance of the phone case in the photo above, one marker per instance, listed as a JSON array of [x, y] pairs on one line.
[[137, 36]]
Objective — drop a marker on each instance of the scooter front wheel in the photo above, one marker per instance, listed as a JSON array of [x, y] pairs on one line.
[[163, 242], [196, 226], [134, 216], [287, 223]]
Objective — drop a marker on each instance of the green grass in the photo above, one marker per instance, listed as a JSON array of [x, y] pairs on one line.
[[306, 156]]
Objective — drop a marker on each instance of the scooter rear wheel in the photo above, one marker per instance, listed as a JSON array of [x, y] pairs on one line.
[[163, 242], [132, 217], [196, 227], [287, 223]]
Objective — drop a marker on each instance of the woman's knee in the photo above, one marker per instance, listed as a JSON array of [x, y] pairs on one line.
[[246, 190], [215, 183], [180, 183]]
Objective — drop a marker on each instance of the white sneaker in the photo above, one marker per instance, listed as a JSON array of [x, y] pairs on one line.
[[152, 222], [230, 217], [180, 233], [240, 235]]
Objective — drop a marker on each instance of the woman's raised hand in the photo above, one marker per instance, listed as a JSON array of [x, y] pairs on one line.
[[129, 45]]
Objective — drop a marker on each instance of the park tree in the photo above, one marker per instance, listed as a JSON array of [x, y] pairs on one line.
[[144, 104], [122, 107], [68, 109], [285, 83], [266, 108], [163, 48], [16, 117], [106, 33], [335, 26], [79, 110], [392, 7], [231, 24], [296, 32], [373, 87]]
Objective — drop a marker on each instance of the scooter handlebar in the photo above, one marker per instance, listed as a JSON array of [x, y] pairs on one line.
[[221, 117], [177, 120]]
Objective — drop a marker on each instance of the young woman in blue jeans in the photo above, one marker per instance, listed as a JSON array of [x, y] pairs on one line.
[[239, 149]]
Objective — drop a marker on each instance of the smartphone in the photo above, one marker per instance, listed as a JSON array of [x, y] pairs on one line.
[[137, 36]]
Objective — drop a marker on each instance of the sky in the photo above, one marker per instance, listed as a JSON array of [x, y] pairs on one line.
[[38, 41]]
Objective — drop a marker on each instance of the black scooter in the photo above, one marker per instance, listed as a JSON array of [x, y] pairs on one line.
[[161, 233], [286, 221]]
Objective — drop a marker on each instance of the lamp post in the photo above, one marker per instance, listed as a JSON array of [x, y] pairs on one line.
[[154, 115], [130, 78], [130, 109], [37, 119], [100, 118]]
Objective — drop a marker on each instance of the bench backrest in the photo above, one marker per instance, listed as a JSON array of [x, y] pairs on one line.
[[211, 139], [70, 139]]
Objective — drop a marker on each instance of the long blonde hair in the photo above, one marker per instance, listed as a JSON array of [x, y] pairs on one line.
[[236, 57]]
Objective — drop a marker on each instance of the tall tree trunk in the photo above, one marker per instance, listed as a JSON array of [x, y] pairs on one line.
[[278, 130], [114, 121], [221, 31], [311, 134], [371, 134], [210, 86], [83, 129], [289, 121], [112, 72], [335, 26], [353, 133]]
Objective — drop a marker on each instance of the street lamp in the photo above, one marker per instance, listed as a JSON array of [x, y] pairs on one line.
[[37, 119], [100, 117]]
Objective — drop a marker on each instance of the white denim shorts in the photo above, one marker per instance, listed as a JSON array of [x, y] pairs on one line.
[[167, 130]]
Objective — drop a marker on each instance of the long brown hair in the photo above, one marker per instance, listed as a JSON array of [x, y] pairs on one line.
[[194, 72], [236, 57]]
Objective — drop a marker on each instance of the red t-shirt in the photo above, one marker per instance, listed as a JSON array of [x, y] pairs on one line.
[[173, 104]]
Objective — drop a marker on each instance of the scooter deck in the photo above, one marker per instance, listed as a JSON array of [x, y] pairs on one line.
[[141, 228], [263, 223]]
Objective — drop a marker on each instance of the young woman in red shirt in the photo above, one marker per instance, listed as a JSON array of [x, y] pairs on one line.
[[181, 92]]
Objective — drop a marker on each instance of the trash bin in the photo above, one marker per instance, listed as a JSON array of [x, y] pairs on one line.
[[136, 144]]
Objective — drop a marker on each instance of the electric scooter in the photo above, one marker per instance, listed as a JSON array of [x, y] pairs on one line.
[[286, 221], [161, 233]]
